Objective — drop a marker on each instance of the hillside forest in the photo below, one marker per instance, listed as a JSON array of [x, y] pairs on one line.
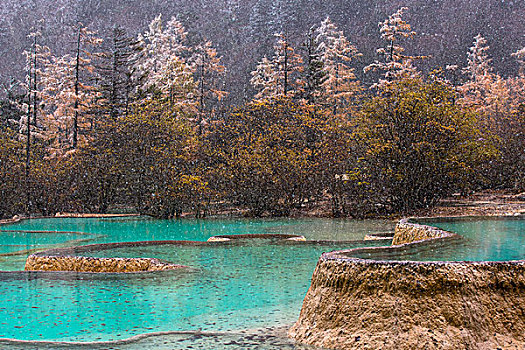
[[146, 123]]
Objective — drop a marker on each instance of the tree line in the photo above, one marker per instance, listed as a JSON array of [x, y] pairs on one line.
[[141, 123]]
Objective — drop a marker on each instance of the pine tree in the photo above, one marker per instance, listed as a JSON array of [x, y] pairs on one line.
[[395, 63], [337, 53], [116, 70], [260, 33], [280, 75], [11, 105], [314, 72]]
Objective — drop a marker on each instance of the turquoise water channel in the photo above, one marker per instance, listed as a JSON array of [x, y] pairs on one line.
[[239, 287]]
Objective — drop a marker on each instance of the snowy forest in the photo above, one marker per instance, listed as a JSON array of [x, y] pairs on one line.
[[260, 107]]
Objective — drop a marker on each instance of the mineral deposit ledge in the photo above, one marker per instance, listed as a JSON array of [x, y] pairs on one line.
[[369, 304]]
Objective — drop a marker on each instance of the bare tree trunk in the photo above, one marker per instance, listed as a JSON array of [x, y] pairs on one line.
[[285, 67], [28, 144], [34, 83], [201, 102], [114, 75], [77, 75]]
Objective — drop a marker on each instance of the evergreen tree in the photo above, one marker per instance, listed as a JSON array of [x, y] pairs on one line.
[[395, 63], [314, 72], [116, 70], [10, 105], [337, 53], [280, 75]]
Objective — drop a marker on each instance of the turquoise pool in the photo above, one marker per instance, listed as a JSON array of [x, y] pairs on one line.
[[481, 239], [238, 295], [239, 288]]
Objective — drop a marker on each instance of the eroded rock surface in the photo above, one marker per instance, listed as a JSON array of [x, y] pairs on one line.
[[363, 304]]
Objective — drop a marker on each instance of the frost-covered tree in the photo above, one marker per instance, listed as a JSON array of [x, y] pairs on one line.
[[162, 67], [484, 91], [207, 68], [69, 90], [395, 64], [264, 79], [478, 62], [336, 52], [160, 43], [280, 75], [518, 83]]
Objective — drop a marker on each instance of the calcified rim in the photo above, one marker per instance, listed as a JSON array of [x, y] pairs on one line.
[[350, 254], [77, 251], [130, 340]]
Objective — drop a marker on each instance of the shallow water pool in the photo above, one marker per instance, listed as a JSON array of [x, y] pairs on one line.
[[481, 239], [235, 287]]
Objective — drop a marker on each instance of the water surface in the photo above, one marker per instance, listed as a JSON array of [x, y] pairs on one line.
[[481, 239], [245, 285]]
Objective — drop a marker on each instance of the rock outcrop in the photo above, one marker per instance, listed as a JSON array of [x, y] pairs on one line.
[[359, 304]]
